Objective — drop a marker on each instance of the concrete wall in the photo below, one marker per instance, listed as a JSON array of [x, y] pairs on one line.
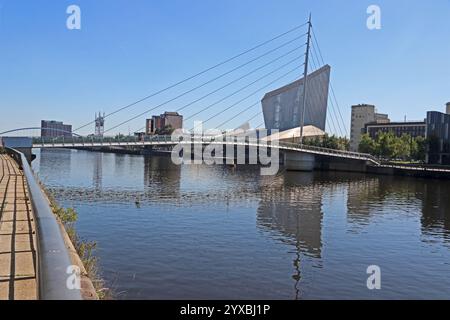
[[297, 161], [337, 164]]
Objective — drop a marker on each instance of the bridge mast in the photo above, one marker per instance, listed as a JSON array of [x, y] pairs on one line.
[[305, 81]]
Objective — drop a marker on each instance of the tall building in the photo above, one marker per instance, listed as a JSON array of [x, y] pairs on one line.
[[52, 128], [282, 108], [361, 115], [172, 119]]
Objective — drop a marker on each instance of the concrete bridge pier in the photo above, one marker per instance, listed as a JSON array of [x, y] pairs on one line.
[[298, 161]]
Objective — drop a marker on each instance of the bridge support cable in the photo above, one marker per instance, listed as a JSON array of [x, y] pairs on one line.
[[257, 103], [296, 28], [338, 108], [334, 121], [331, 85], [253, 117], [333, 106], [242, 77], [332, 115], [240, 113], [243, 88], [317, 92], [216, 90], [250, 95]]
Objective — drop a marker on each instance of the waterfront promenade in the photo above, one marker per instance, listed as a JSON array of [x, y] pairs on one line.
[[17, 235]]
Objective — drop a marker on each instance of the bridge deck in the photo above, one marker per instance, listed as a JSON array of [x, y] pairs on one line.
[[17, 236]]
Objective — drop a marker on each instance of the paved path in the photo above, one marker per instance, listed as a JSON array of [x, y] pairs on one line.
[[17, 235]]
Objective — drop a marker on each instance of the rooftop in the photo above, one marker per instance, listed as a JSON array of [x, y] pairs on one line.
[[171, 113], [363, 105], [394, 124]]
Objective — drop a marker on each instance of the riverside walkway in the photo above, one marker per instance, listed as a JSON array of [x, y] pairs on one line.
[[17, 235]]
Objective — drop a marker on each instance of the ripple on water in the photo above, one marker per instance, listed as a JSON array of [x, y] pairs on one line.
[[165, 231]]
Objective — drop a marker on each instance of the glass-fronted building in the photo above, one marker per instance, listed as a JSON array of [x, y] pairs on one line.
[[438, 138], [412, 128]]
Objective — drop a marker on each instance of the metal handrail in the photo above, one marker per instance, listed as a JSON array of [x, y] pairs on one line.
[[195, 139], [52, 254]]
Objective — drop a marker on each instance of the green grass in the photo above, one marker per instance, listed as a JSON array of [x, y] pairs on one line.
[[84, 248]]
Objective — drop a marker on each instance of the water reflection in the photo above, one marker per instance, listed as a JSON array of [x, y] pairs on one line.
[[287, 200], [190, 230], [292, 207], [372, 197], [98, 171], [161, 176], [436, 209]]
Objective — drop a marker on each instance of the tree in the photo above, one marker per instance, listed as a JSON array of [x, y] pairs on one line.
[[402, 147], [419, 148], [330, 142], [386, 145], [367, 145], [344, 143]]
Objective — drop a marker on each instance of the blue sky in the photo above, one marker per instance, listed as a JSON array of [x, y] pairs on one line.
[[126, 50]]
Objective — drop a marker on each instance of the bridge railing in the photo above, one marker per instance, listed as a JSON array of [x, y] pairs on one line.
[[331, 151], [52, 254], [124, 140], [90, 140]]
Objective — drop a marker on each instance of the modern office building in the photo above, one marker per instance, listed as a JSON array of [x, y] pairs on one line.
[[363, 114], [282, 108], [172, 119], [438, 149], [413, 128], [52, 128]]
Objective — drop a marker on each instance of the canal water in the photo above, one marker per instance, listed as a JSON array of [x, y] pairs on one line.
[[216, 232]]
